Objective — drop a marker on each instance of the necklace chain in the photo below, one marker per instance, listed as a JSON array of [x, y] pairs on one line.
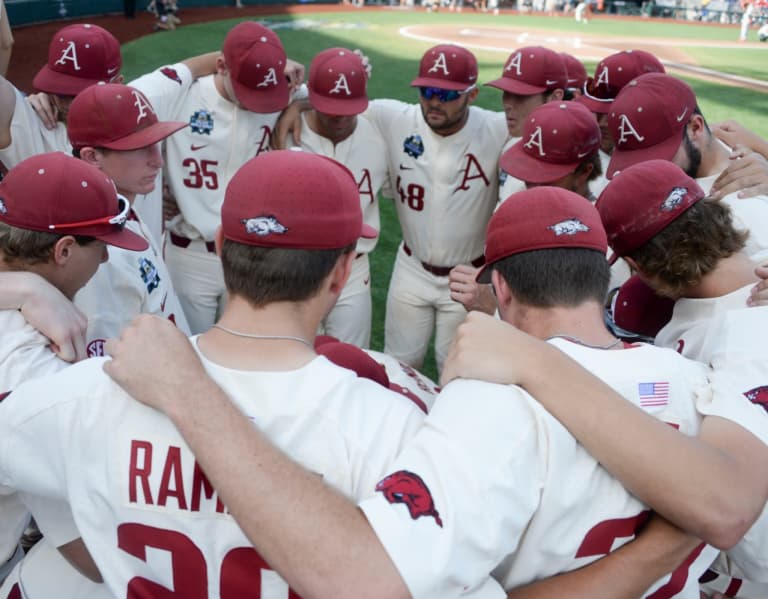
[[584, 343], [265, 337]]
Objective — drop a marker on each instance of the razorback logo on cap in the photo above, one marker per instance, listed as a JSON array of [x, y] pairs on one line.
[[270, 79], [535, 141], [627, 129], [674, 199], [569, 227], [341, 85], [263, 226], [440, 64], [758, 395], [171, 74], [408, 488]]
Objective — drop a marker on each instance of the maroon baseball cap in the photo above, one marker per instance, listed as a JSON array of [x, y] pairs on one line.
[[79, 56], [557, 137], [541, 218], [337, 81], [56, 193], [532, 70], [447, 66], [117, 117], [293, 199], [642, 200], [639, 309], [256, 61], [647, 119], [575, 71], [613, 73]]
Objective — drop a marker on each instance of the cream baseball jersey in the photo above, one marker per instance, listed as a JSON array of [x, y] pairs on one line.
[[410, 379], [150, 518], [507, 183], [445, 188], [128, 284], [535, 504]]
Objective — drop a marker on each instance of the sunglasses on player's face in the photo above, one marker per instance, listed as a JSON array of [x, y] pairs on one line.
[[444, 95]]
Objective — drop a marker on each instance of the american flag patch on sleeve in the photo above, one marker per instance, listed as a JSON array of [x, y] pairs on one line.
[[653, 395]]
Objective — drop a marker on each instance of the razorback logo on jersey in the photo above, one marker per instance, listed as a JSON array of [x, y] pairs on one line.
[[4, 395], [263, 226], [674, 199], [3, 209], [149, 274], [95, 348], [408, 488], [568, 227], [201, 122], [413, 146], [171, 74], [758, 395]]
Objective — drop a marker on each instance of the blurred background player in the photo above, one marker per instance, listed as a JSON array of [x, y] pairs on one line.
[[577, 76]]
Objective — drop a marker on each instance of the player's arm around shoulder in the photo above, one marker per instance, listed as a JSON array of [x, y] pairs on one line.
[[383, 113], [7, 107], [166, 87]]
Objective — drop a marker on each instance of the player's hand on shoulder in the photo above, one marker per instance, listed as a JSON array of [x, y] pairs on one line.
[[732, 133], [747, 174], [289, 123], [366, 62], [44, 108], [468, 292], [294, 72], [758, 296], [153, 361]]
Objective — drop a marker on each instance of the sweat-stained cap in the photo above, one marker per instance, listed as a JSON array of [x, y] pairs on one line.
[[447, 66], [117, 117], [79, 56], [532, 70], [256, 61], [538, 219], [56, 193], [293, 199], [557, 137], [642, 200], [337, 82]]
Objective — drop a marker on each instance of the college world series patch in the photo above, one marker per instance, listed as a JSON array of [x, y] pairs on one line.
[[413, 146], [149, 274], [201, 122]]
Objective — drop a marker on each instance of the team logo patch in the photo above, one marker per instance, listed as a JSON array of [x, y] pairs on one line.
[[95, 348], [171, 74], [201, 122], [758, 395], [4, 395], [263, 226], [413, 146], [408, 488], [674, 199], [3, 209], [149, 274], [568, 227]]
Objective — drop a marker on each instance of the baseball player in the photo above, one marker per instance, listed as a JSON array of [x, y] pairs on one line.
[[135, 489], [230, 114], [524, 508], [334, 127], [577, 76], [670, 126], [56, 216], [115, 128]]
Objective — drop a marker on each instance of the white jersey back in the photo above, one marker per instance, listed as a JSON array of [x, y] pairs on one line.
[[418, 384], [150, 518], [536, 504], [445, 188]]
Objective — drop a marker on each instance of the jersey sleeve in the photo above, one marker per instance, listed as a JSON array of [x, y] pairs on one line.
[[382, 113], [456, 501], [165, 88]]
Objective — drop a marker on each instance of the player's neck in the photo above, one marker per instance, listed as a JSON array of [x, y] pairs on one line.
[[714, 159], [730, 274], [583, 323]]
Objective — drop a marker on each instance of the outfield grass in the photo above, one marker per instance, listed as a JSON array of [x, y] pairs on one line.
[[395, 62]]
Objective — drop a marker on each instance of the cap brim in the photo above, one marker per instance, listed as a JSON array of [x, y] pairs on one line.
[[518, 163], [368, 232], [123, 238], [61, 84], [262, 101], [484, 275], [594, 105], [440, 83], [146, 137], [516, 87], [332, 106], [621, 159]]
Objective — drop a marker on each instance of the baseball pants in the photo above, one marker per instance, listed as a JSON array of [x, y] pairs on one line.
[[350, 318], [419, 303]]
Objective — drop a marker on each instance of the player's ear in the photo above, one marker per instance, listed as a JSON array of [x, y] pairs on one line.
[[473, 94], [221, 65], [91, 156], [62, 250], [218, 240], [697, 127], [500, 288], [341, 272], [556, 95]]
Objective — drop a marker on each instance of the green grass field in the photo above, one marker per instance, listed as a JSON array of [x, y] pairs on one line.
[[395, 62]]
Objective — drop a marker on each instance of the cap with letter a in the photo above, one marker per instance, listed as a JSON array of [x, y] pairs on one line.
[[79, 56], [256, 62], [56, 193], [532, 70], [293, 199], [337, 82], [447, 66]]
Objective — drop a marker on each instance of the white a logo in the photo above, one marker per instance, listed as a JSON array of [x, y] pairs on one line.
[[341, 85], [143, 106], [602, 78], [69, 55], [269, 79], [441, 64], [535, 141], [626, 130], [515, 62]]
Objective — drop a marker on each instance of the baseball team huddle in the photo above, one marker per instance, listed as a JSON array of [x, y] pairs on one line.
[[591, 262]]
